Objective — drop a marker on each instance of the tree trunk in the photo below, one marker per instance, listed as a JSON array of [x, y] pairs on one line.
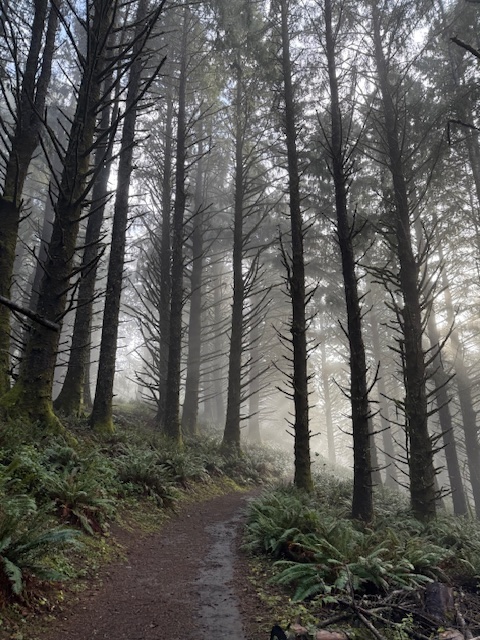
[[172, 392], [462, 378], [192, 383], [218, 342], [35, 280], [391, 479], [420, 454], [362, 504], [101, 418], [24, 141], [165, 266], [332, 455], [70, 400], [464, 387], [302, 476], [87, 383], [231, 435], [255, 372], [31, 395], [441, 381]]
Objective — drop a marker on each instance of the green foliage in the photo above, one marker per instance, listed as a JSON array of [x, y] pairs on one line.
[[184, 465], [78, 485], [141, 472], [80, 498], [26, 541], [27, 537], [323, 552], [333, 492], [255, 465], [276, 520], [28, 472]]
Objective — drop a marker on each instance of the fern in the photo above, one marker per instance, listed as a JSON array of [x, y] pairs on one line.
[[141, 472], [326, 553], [25, 544], [308, 579], [80, 498]]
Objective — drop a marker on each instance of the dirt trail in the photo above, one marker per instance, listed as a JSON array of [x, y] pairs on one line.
[[181, 583]]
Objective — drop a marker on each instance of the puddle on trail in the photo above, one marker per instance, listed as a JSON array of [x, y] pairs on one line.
[[219, 614]]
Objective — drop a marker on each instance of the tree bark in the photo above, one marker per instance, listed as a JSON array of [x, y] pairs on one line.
[[420, 454], [24, 141], [192, 382], [101, 418], [441, 382], [391, 479], [462, 378], [302, 476], [332, 455], [362, 503], [165, 264], [255, 372], [172, 425], [70, 400], [218, 342], [231, 435], [31, 395], [464, 387]]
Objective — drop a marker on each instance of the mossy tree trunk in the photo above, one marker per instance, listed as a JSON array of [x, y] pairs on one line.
[[362, 503], [24, 140], [31, 395], [296, 275], [420, 453]]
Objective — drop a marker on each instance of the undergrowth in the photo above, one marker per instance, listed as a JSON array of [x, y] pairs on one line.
[[320, 552]]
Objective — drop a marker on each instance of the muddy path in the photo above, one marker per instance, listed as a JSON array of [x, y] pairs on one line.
[[185, 582]]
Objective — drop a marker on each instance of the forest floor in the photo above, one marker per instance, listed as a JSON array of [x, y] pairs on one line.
[[187, 581]]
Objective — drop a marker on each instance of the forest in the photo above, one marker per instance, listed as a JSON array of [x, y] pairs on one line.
[[239, 224]]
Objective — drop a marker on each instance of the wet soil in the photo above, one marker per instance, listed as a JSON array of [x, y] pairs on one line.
[[187, 582]]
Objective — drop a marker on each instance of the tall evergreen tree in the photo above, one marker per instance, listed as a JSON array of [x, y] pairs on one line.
[[420, 453], [295, 264], [21, 132], [31, 395], [340, 167], [102, 411]]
